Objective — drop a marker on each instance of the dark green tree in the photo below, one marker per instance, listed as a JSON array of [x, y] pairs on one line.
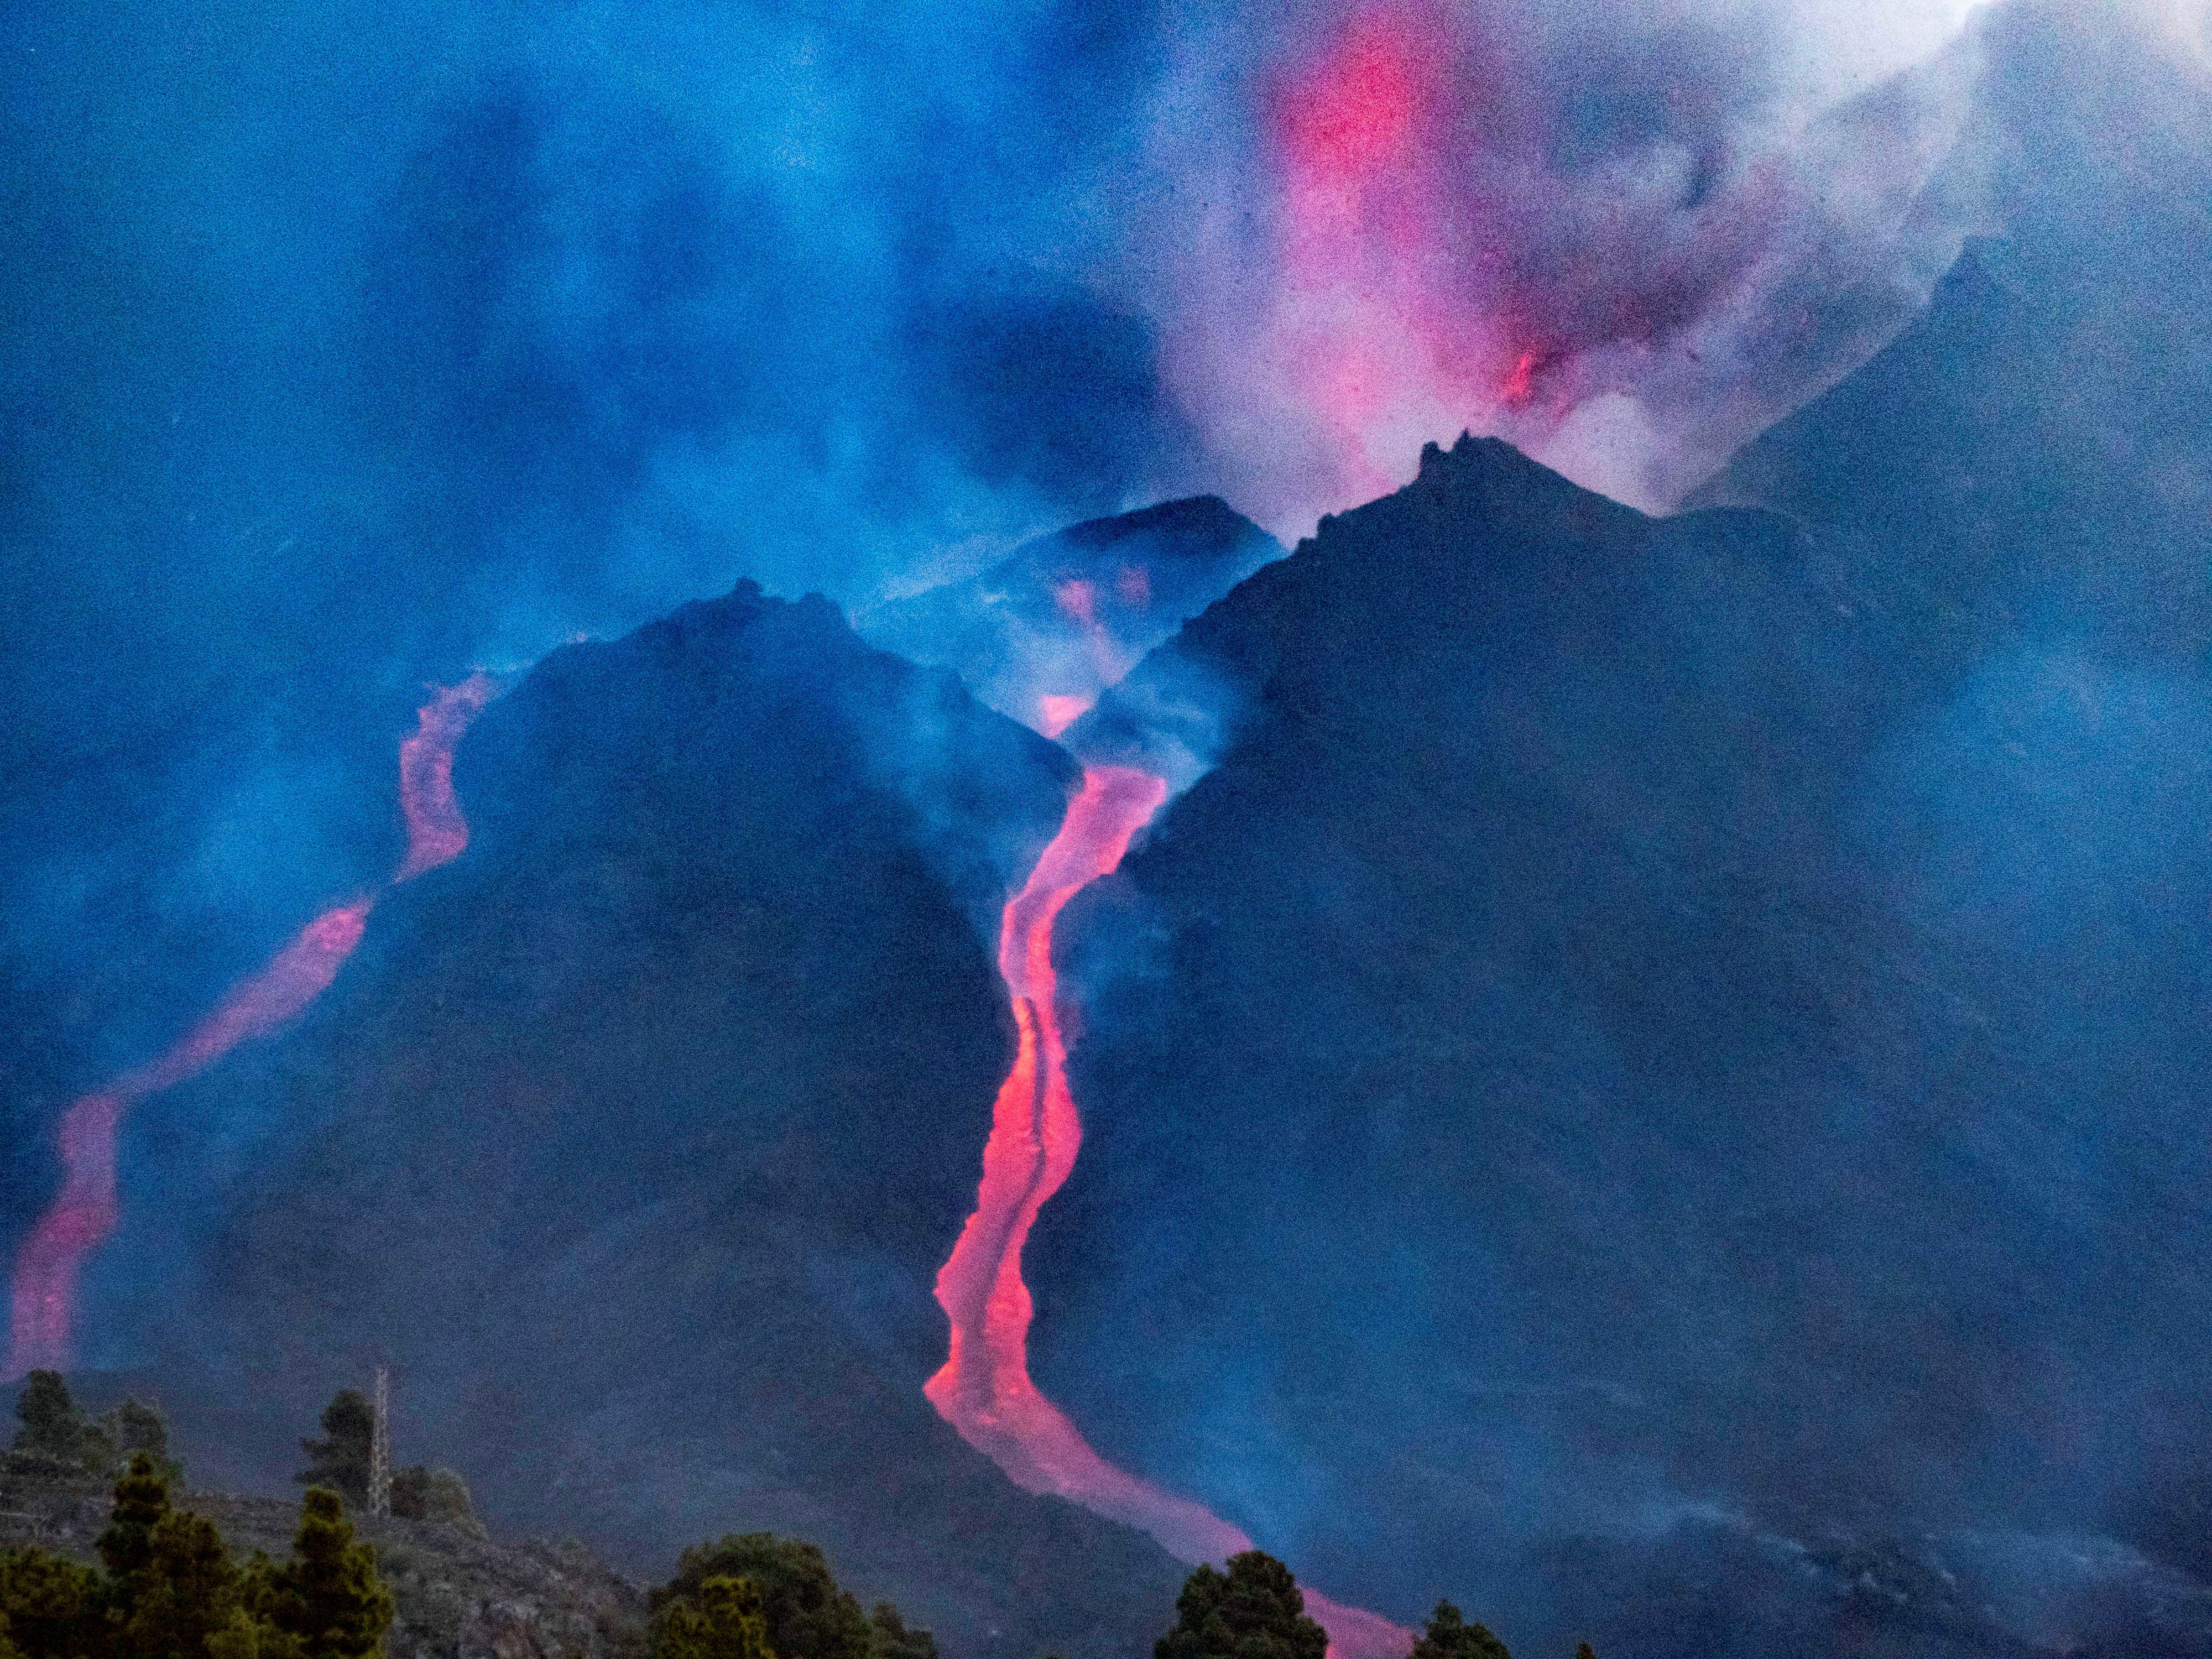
[[8, 1648], [1450, 1637], [809, 1617], [340, 1459], [722, 1619], [188, 1591], [1254, 1611], [1584, 1650], [895, 1640], [328, 1596], [249, 1635], [54, 1429], [439, 1495], [142, 1498], [55, 1607], [49, 1417], [133, 1427]]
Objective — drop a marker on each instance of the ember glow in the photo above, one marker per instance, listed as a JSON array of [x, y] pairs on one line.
[[1055, 714], [43, 1301], [1093, 658], [82, 1216], [1365, 326], [984, 1390], [436, 832]]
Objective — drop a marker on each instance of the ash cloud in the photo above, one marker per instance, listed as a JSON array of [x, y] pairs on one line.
[[1625, 238]]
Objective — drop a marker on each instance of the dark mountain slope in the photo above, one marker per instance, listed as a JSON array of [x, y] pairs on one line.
[[1647, 1019], [2044, 431], [636, 1136]]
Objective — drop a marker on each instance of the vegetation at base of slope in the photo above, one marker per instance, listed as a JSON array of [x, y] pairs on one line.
[[138, 1575], [168, 1587], [1255, 1610]]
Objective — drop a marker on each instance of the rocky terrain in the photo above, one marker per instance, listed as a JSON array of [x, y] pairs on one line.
[[459, 1595]]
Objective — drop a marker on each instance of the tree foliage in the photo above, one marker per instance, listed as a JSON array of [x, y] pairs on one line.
[[53, 1432], [134, 1426], [439, 1495], [187, 1591], [808, 1614], [55, 1608], [1450, 1636], [896, 1639], [340, 1459], [1254, 1611], [141, 1499], [722, 1620], [328, 1597], [171, 1590]]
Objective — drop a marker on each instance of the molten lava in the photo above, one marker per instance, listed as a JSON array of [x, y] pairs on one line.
[[82, 1213], [43, 1296], [436, 832], [1100, 661], [1056, 714], [984, 1388]]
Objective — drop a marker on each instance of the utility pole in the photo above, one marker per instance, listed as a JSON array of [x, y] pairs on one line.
[[379, 1448]]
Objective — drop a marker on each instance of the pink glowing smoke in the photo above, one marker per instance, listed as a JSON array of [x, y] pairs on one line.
[[1598, 233]]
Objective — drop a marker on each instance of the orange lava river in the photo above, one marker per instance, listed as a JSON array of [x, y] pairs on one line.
[[984, 1390], [43, 1291]]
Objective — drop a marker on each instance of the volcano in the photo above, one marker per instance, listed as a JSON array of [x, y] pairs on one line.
[[1670, 1005], [635, 1136]]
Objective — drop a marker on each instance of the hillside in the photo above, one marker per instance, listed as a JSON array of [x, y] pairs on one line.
[[2037, 437], [1650, 1025], [457, 1596], [634, 1138]]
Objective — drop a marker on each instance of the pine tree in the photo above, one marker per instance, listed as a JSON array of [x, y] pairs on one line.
[[438, 1495], [1450, 1637], [188, 1591], [53, 1605], [249, 1635], [328, 1596], [724, 1619], [1254, 1611], [896, 1639], [52, 1427], [134, 1427], [340, 1460], [142, 1498]]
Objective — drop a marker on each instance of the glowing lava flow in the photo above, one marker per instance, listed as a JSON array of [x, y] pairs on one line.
[[437, 833], [984, 1390], [82, 1214]]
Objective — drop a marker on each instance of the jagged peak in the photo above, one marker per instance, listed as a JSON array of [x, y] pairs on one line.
[[1486, 481]]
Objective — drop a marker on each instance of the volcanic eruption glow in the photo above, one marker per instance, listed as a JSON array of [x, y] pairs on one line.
[[82, 1214], [437, 833], [1365, 334], [984, 1388]]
